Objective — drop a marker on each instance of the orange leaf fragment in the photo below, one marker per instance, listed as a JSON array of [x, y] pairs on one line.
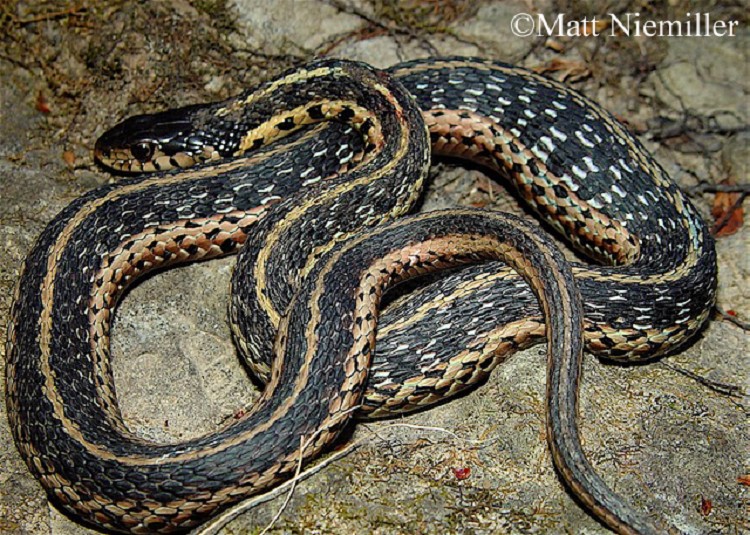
[[595, 26], [462, 473], [571, 71], [555, 45], [727, 215], [41, 103], [69, 158]]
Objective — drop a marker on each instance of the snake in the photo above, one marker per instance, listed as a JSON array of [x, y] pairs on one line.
[[323, 164]]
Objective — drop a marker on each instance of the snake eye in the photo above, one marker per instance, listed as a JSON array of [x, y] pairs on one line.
[[142, 151]]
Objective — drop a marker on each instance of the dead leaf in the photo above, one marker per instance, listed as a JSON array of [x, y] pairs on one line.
[[462, 473], [595, 26], [555, 45], [41, 103], [729, 216], [569, 71], [69, 158]]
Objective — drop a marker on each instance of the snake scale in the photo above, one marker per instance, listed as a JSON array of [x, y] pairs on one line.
[[325, 160]]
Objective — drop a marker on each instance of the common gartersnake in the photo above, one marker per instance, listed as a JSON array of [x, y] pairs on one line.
[[578, 167]]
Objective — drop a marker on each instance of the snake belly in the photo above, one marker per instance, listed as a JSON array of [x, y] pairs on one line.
[[688, 266]]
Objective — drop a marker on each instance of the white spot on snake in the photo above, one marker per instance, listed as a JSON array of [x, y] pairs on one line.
[[475, 92], [616, 189], [590, 164], [557, 134], [368, 209], [577, 171], [342, 148], [615, 171], [566, 178], [528, 113], [504, 102], [559, 106], [552, 113], [585, 142], [547, 142], [493, 87], [540, 153], [524, 98]]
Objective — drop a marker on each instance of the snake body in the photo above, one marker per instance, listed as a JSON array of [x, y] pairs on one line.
[[581, 170]]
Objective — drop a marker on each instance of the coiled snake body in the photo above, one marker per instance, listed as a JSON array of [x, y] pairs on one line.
[[309, 273]]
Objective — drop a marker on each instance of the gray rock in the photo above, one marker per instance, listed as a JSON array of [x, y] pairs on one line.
[[704, 76]]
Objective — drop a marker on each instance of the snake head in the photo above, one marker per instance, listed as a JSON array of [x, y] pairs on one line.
[[155, 142]]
